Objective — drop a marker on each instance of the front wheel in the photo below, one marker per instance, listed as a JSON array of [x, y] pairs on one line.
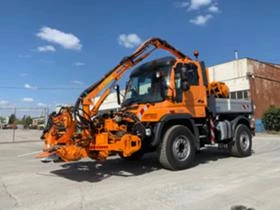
[[177, 150], [241, 146]]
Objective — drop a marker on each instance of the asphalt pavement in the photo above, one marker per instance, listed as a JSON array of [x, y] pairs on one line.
[[216, 181]]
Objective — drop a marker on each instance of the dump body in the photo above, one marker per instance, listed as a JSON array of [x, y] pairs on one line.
[[223, 106]]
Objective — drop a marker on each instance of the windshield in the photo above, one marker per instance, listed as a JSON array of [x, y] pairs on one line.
[[149, 86]]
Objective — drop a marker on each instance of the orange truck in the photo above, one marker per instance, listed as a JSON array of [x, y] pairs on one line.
[[169, 107]]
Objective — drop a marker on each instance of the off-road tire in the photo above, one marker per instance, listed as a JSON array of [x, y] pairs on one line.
[[241, 146], [177, 149]]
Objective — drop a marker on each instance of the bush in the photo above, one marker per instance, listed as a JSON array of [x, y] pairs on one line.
[[271, 119]]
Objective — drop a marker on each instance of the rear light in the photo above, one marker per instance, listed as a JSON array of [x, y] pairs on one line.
[[252, 122]]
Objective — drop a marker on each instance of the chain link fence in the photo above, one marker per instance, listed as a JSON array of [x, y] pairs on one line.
[[21, 124]]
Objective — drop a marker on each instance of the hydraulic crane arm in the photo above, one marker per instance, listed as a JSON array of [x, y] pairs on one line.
[[142, 52]]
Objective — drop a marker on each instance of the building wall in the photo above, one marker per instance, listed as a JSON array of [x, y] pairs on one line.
[[265, 84], [233, 73]]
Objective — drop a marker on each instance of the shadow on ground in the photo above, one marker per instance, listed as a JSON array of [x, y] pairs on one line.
[[93, 171]]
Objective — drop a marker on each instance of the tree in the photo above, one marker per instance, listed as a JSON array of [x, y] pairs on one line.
[[27, 121], [12, 119], [23, 119], [271, 119]]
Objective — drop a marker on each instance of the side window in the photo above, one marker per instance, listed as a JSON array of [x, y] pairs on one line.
[[144, 86]]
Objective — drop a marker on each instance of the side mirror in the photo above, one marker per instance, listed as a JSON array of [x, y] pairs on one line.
[[117, 88], [184, 78], [184, 73]]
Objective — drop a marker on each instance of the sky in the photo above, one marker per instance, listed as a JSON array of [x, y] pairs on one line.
[[52, 50]]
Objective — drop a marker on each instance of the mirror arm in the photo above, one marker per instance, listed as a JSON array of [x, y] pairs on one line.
[[117, 88]]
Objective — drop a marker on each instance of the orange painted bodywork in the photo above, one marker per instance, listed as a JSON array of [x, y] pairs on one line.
[[106, 143], [109, 137], [71, 153], [194, 100], [61, 131]]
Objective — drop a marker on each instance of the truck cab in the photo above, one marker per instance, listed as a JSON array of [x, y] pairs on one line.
[[169, 86]]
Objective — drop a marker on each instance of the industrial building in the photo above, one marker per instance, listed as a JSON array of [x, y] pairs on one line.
[[250, 79]]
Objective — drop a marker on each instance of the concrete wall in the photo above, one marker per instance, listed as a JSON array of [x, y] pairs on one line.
[[265, 84], [233, 73]]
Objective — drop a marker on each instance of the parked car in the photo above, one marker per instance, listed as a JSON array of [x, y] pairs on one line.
[[10, 126]]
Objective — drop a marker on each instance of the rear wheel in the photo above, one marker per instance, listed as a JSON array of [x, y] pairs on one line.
[[241, 146], [177, 150]]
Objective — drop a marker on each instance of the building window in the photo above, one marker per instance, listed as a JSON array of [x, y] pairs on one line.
[[242, 94], [246, 93], [239, 94], [233, 95]]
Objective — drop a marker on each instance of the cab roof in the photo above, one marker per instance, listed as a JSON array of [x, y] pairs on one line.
[[161, 62]]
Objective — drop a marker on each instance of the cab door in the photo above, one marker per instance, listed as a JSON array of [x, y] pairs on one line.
[[190, 88]]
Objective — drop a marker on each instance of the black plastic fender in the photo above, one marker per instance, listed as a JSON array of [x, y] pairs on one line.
[[240, 119], [161, 125]]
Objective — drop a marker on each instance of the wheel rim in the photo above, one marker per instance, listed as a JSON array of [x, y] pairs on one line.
[[244, 141], [181, 148]]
